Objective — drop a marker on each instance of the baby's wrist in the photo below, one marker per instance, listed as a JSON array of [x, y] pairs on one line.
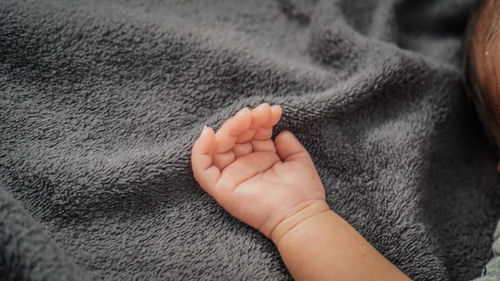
[[296, 218]]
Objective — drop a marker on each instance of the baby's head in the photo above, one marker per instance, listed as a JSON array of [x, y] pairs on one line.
[[482, 65]]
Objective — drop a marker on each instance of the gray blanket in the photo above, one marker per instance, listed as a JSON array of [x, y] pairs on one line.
[[101, 102]]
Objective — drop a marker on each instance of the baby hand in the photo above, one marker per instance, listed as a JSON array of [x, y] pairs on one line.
[[258, 181]]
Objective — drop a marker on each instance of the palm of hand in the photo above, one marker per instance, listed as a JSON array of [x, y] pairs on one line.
[[256, 180]]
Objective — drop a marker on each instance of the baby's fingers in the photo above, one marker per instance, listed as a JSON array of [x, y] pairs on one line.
[[262, 139], [201, 161], [260, 115], [266, 130], [226, 136]]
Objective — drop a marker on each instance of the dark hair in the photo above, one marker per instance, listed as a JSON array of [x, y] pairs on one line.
[[473, 88]]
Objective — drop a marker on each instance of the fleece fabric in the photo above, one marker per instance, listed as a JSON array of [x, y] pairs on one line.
[[100, 102]]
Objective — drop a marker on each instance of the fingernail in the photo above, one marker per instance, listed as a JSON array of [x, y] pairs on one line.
[[241, 112], [204, 130]]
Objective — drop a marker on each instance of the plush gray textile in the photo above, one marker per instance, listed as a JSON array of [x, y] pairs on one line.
[[100, 102], [491, 271]]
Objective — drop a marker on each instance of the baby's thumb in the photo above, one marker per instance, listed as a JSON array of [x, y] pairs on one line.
[[289, 147]]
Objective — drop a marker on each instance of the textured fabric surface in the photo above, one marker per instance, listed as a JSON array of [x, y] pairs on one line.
[[491, 271], [102, 100]]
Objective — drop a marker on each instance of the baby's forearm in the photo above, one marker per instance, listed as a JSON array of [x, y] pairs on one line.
[[317, 244]]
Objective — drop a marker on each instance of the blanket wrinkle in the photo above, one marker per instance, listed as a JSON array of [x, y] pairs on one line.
[[101, 101]]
